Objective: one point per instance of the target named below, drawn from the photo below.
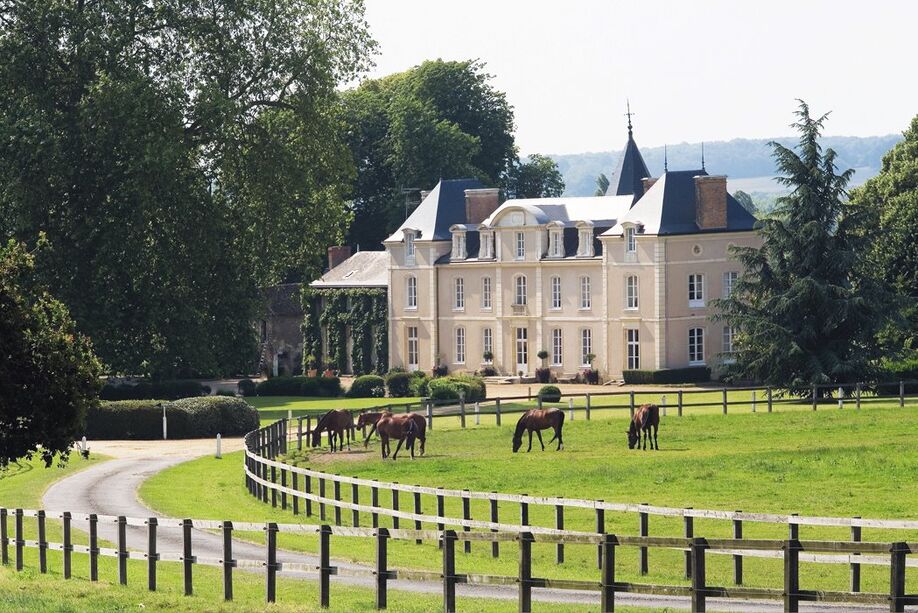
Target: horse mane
(323, 421)
(520, 425)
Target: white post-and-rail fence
(792, 551)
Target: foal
(401, 427)
(536, 420)
(646, 416)
(371, 419)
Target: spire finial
(628, 115)
(702, 155)
(665, 161)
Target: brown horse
(370, 419)
(646, 416)
(402, 427)
(536, 420)
(335, 422)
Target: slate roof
(443, 207)
(363, 269)
(669, 208)
(626, 178)
(601, 210)
(570, 236)
(284, 299)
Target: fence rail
(792, 551)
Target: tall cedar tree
(804, 310)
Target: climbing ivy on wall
(363, 311)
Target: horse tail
(557, 417)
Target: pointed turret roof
(626, 178)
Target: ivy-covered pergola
(362, 312)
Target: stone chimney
(480, 203)
(711, 201)
(648, 183)
(337, 254)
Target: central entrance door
(522, 350)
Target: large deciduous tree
(178, 154)
(805, 310)
(49, 376)
(537, 177)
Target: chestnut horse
(335, 422)
(402, 427)
(646, 416)
(536, 420)
(370, 419)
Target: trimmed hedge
(367, 386)
(691, 374)
(161, 390)
(448, 388)
(328, 387)
(419, 385)
(550, 393)
(246, 387)
(186, 418)
(398, 382)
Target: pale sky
(694, 70)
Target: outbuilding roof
(363, 269)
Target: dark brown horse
(536, 420)
(336, 423)
(646, 416)
(370, 419)
(402, 427)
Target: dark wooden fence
(696, 548)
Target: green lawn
(272, 408)
(825, 463)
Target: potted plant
(591, 374)
(311, 366)
(543, 374)
(488, 357)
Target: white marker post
(164, 421)
(219, 455)
(841, 397)
(84, 447)
(570, 408)
(663, 404)
(753, 401)
(289, 414)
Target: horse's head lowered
(634, 436)
(517, 442)
(367, 419)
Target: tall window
(486, 292)
(630, 242)
(556, 292)
(586, 346)
(631, 292)
(696, 290)
(520, 246)
(411, 301)
(409, 245)
(729, 281)
(522, 348)
(586, 298)
(696, 346)
(460, 294)
(460, 345)
(520, 290)
(487, 343)
(557, 347)
(729, 331)
(487, 246)
(634, 349)
(413, 347)
(458, 246)
(556, 243)
(585, 243)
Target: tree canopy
(805, 310)
(179, 155)
(537, 177)
(49, 376)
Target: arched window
(411, 300)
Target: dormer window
(487, 245)
(630, 242)
(555, 240)
(410, 236)
(459, 251)
(585, 239)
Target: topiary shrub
(328, 387)
(160, 390)
(472, 388)
(441, 389)
(186, 418)
(367, 386)
(419, 384)
(488, 371)
(476, 389)
(213, 415)
(399, 384)
(246, 387)
(550, 393)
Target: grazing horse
(402, 427)
(335, 422)
(646, 416)
(536, 420)
(370, 419)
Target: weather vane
(628, 115)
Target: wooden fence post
(679, 408)
(283, 473)
(497, 410)
(607, 556)
(600, 529)
(440, 513)
(525, 575)
(631, 403)
(324, 564)
(336, 487)
(813, 393)
(901, 393)
(768, 393)
(559, 524)
(122, 550)
(395, 505)
(643, 525)
(462, 409)
(273, 483)
(793, 529)
(477, 413)
(448, 544)
(68, 543)
(897, 576)
(417, 511)
(299, 433)
(524, 512)
(322, 497)
(689, 532)
(93, 547)
(271, 562)
(539, 401)
(42, 542)
(382, 571)
(187, 556)
(4, 538)
(857, 393)
(296, 488)
(791, 575)
(374, 502)
(355, 514)
(495, 546)
(588, 407)
(856, 568)
(18, 536)
(228, 562)
(152, 556)
(738, 559)
(698, 575)
(467, 515)
(307, 485)
(724, 393)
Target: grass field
(826, 463)
(272, 408)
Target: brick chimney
(648, 183)
(480, 203)
(711, 201)
(338, 254)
